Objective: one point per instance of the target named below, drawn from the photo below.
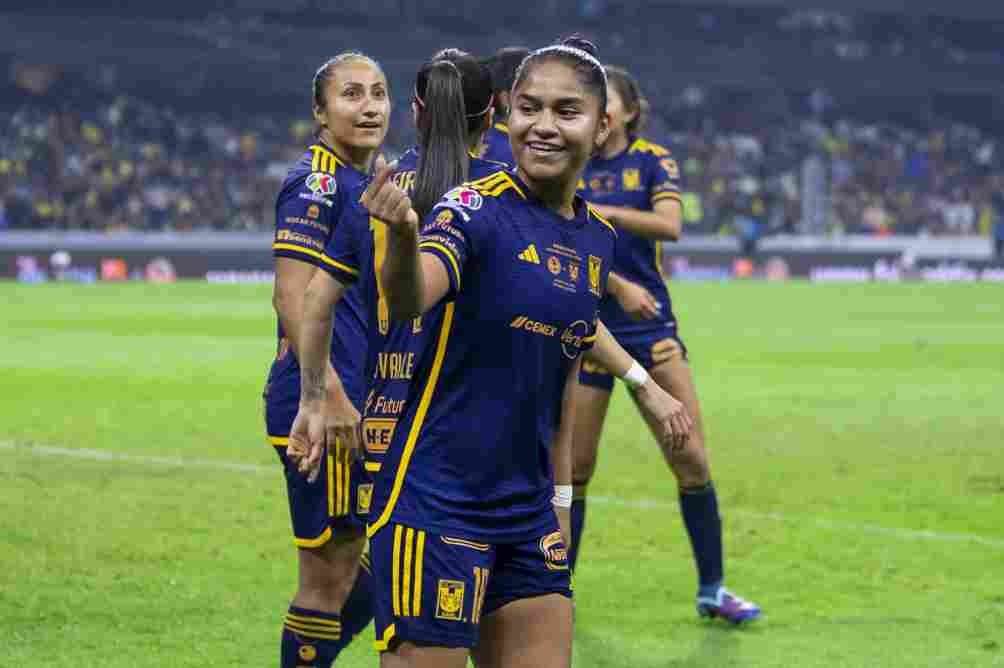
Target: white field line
(638, 504)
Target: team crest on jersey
(466, 197)
(450, 600)
(364, 497)
(555, 554)
(595, 267)
(308, 652)
(554, 265)
(631, 178)
(321, 184)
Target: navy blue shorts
(433, 590)
(338, 501)
(649, 348)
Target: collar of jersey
(578, 204)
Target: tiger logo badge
(450, 600)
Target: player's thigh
(528, 605)
(333, 566)
(592, 400)
(527, 632)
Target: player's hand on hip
(386, 201)
(342, 425)
(638, 302)
(308, 439)
(670, 417)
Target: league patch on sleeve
(322, 184)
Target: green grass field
(857, 445)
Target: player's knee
(691, 465)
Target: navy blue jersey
(495, 145)
(356, 252)
(645, 173)
(469, 456)
(312, 200)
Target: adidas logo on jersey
(530, 255)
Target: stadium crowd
(755, 162)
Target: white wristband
(636, 376)
(562, 496)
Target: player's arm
(561, 453)
(413, 281)
(326, 413)
(291, 280)
(674, 421)
(663, 223)
(636, 301)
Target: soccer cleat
(728, 606)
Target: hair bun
(582, 44)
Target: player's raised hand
(308, 439)
(386, 201)
(668, 416)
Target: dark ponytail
(453, 93)
(442, 137)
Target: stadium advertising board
(222, 266)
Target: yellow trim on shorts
(383, 643)
(314, 542)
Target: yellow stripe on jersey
(589, 339)
(314, 542)
(489, 181)
(279, 441)
(416, 426)
(449, 254)
(502, 127)
(595, 214)
(324, 160)
(658, 258)
(643, 146)
(320, 256)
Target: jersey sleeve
(664, 178)
(454, 231)
(305, 215)
(343, 255)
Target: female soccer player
(503, 66)
(635, 184)
(465, 543)
(350, 105)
